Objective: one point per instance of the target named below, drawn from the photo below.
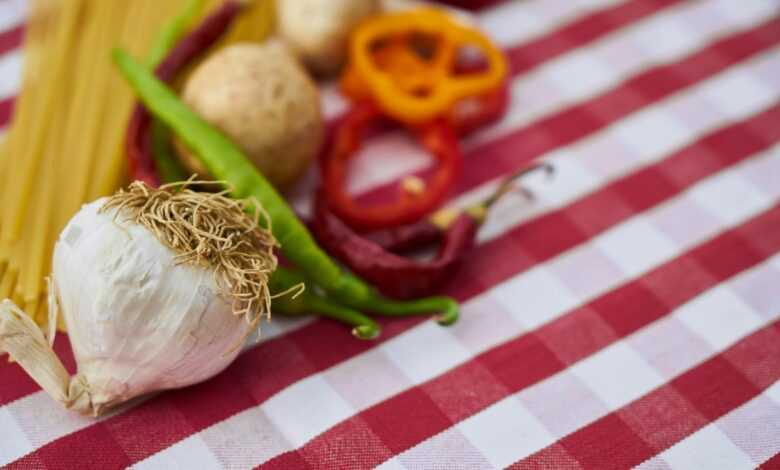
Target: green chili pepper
(226, 162)
(169, 169)
(310, 302)
(167, 165)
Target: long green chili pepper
(167, 166)
(309, 302)
(172, 32)
(225, 161)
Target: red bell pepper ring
(437, 137)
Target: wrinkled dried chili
(397, 276)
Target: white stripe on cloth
(12, 14)
(573, 181)
(742, 439)
(11, 73)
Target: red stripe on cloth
(771, 464)
(571, 124)
(632, 434)
(6, 111)
(278, 363)
(537, 355)
(11, 39)
(111, 455)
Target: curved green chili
(225, 161)
(309, 302)
(167, 165)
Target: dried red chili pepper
(138, 143)
(401, 277)
(431, 230)
(438, 137)
(406, 238)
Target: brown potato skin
(261, 97)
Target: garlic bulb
(141, 316)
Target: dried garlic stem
(21, 338)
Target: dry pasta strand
(64, 43)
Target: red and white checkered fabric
(629, 317)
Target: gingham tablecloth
(627, 317)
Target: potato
(318, 30)
(261, 97)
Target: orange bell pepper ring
(406, 63)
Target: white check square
(43, 419)
(719, 317)
(506, 432)
(392, 464)
(773, 392)
(191, 453)
(617, 375)
(252, 432)
(579, 75)
(729, 197)
(758, 288)
(667, 38)
(737, 93)
(425, 352)
(652, 132)
(572, 404)
(449, 449)
(534, 297)
(306, 409)
(572, 179)
(508, 23)
(14, 441)
(708, 448)
(636, 246)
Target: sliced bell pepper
(407, 63)
(437, 137)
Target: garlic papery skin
(137, 320)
